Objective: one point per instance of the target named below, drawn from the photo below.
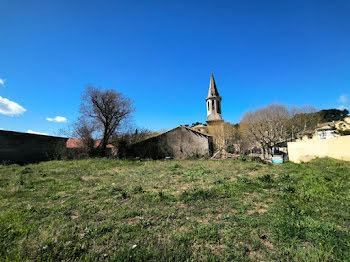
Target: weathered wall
(215, 127)
(336, 147)
(179, 142)
(21, 148)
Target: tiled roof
(78, 143)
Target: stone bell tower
(213, 104)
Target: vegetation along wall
(22, 148)
(336, 147)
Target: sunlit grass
(199, 210)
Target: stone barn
(179, 142)
(23, 148)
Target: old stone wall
(22, 148)
(179, 142)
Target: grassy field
(189, 210)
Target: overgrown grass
(190, 210)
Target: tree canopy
(275, 123)
(330, 115)
(103, 112)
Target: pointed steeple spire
(213, 102)
(213, 91)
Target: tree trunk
(263, 152)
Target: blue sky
(161, 54)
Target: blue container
(277, 159)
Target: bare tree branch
(105, 111)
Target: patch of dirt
(182, 229)
(256, 255)
(74, 215)
(233, 179)
(203, 220)
(12, 190)
(88, 178)
(259, 207)
(63, 194)
(181, 188)
(262, 210)
(251, 211)
(254, 173)
(185, 207)
(250, 197)
(270, 190)
(132, 220)
(115, 170)
(218, 216)
(57, 170)
(216, 249)
(269, 245)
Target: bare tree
(276, 123)
(302, 119)
(85, 130)
(267, 126)
(243, 144)
(224, 137)
(102, 112)
(221, 136)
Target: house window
(322, 134)
(208, 105)
(212, 105)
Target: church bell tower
(213, 104)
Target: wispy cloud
(58, 119)
(2, 82)
(10, 108)
(36, 133)
(344, 102)
(343, 99)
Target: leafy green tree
(330, 115)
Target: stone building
(179, 142)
